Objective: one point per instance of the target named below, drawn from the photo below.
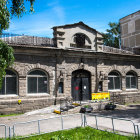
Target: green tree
(8, 9)
(112, 37)
(6, 59)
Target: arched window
(37, 82)
(114, 82)
(131, 80)
(9, 85)
(80, 40)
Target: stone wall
(130, 32)
(64, 36)
(58, 65)
(12, 106)
(126, 98)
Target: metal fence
(3, 129)
(63, 122)
(46, 125)
(113, 124)
(17, 39)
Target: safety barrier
(113, 124)
(63, 122)
(3, 129)
(17, 39)
(47, 125)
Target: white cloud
(52, 3)
(36, 28)
(99, 26)
(39, 23)
(59, 12)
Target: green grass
(86, 133)
(10, 115)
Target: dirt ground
(131, 112)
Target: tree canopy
(9, 8)
(6, 59)
(112, 37)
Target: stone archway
(81, 85)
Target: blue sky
(49, 13)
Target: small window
(60, 88)
(125, 29)
(61, 43)
(131, 80)
(137, 25)
(100, 87)
(9, 84)
(114, 81)
(37, 82)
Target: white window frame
(37, 76)
(130, 76)
(6, 76)
(114, 89)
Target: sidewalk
(130, 112)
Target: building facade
(73, 64)
(130, 32)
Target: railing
(116, 50)
(3, 128)
(37, 127)
(76, 46)
(42, 126)
(113, 124)
(17, 39)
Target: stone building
(73, 64)
(130, 32)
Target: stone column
(138, 84)
(22, 86)
(68, 85)
(105, 83)
(51, 83)
(93, 83)
(123, 84)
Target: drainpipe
(96, 49)
(96, 66)
(96, 73)
(55, 87)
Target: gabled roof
(75, 24)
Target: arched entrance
(81, 85)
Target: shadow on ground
(131, 112)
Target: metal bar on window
(130, 83)
(114, 83)
(5, 85)
(37, 84)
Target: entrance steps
(75, 107)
